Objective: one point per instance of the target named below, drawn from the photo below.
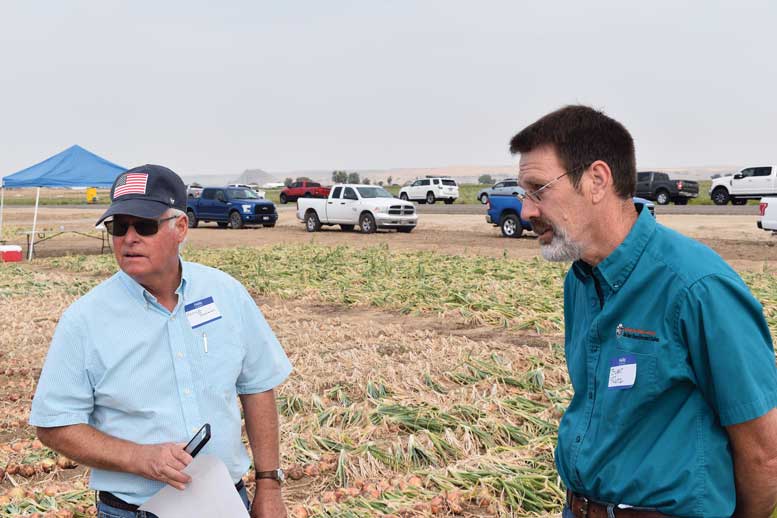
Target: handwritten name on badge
(201, 312)
(623, 372)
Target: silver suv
(508, 187)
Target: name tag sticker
(623, 372)
(202, 312)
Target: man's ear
(181, 228)
(600, 180)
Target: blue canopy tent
(74, 167)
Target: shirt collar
(617, 266)
(140, 293)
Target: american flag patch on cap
(131, 183)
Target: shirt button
(577, 439)
(172, 317)
(180, 355)
(187, 391)
(590, 395)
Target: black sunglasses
(144, 227)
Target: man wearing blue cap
(137, 365)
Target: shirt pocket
(221, 357)
(625, 407)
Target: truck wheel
(662, 196)
(405, 230)
(511, 227)
(222, 224)
(284, 200)
(738, 201)
(720, 196)
(448, 201)
(347, 228)
(681, 201)
(312, 223)
(430, 199)
(403, 196)
(367, 223)
(484, 198)
(193, 221)
(235, 220)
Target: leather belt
(114, 501)
(583, 507)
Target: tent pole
(34, 222)
(2, 206)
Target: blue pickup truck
(233, 206)
(504, 211)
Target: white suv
(431, 189)
(260, 192)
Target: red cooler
(10, 253)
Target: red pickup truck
(303, 189)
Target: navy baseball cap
(146, 192)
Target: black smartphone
(199, 440)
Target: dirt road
(735, 237)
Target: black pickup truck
(662, 189)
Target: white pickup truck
(749, 183)
(768, 208)
(368, 206)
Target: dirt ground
(735, 237)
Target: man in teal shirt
(670, 358)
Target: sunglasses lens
(146, 227)
(116, 228)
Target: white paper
(210, 493)
(623, 376)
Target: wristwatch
(275, 474)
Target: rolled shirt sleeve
(265, 364)
(64, 395)
(730, 348)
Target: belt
(114, 501)
(583, 507)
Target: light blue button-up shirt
(122, 363)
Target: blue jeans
(106, 511)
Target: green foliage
(486, 179)
(339, 176)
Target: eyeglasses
(144, 227)
(535, 194)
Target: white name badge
(202, 312)
(623, 372)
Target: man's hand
(163, 462)
(268, 501)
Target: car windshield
(242, 194)
(374, 192)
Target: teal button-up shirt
(665, 347)
(122, 363)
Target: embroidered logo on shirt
(639, 334)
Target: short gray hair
(176, 214)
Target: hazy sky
(218, 87)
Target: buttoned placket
(597, 291)
(178, 330)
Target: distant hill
(257, 176)
(462, 174)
